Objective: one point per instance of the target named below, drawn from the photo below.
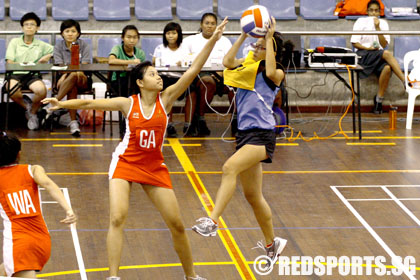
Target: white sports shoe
(74, 128)
(113, 278)
(33, 122)
(273, 251)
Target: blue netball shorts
(259, 137)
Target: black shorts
(259, 137)
(25, 79)
(372, 62)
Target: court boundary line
(372, 232)
(75, 237)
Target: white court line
(380, 199)
(74, 235)
(378, 239)
(378, 186)
(76, 241)
(403, 207)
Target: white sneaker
(205, 227)
(33, 122)
(74, 128)
(113, 278)
(273, 251)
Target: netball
(254, 21)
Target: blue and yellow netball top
(255, 95)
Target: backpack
(354, 8)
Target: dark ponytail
(138, 74)
(9, 148)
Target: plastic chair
(281, 9)
(79, 10)
(153, 9)
(193, 9)
(318, 9)
(111, 9)
(412, 92)
(20, 7)
(404, 44)
(1, 9)
(105, 46)
(148, 45)
(232, 8)
(400, 3)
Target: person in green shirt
(126, 53)
(27, 49)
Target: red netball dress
(26, 241)
(138, 158)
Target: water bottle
(158, 59)
(74, 49)
(393, 118)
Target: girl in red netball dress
(138, 158)
(26, 241)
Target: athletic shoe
(113, 278)
(33, 122)
(190, 130)
(74, 128)
(171, 131)
(206, 227)
(202, 128)
(195, 278)
(274, 250)
(377, 107)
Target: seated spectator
(69, 83)
(370, 48)
(126, 54)
(29, 50)
(171, 53)
(209, 83)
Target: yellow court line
(265, 172)
(363, 131)
(185, 145)
(66, 133)
(225, 235)
(371, 144)
(377, 137)
(77, 145)
(287, 144)
(67, 139)
(68, 272)
(51, 274)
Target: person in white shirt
(172, 53)
(209, 83)
(374, 58)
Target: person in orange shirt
(26, 241)
(138, 158)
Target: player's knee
(177, 227)
(229, 168)
(117, 220)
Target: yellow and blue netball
(254, 21)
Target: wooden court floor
(333, 197)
